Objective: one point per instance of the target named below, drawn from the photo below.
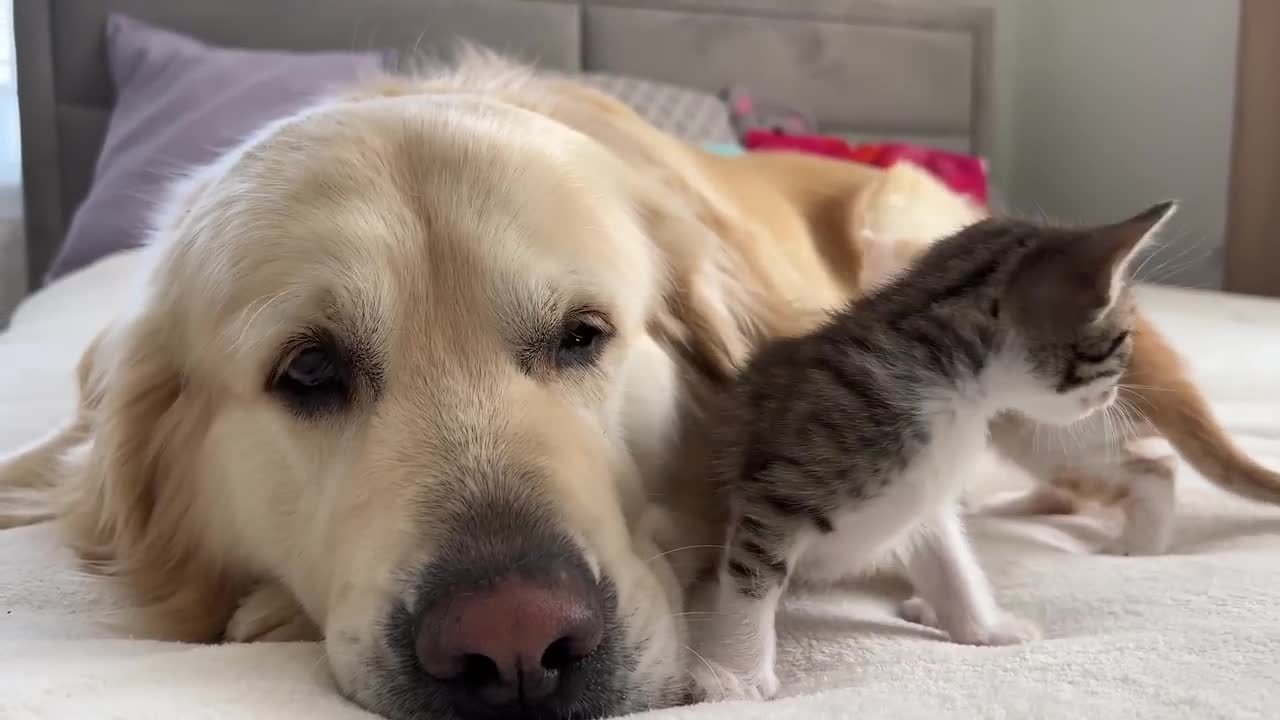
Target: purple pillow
(179, 103)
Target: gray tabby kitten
(850, 446)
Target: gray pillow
(693, 115)
(179, 103)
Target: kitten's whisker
(1129, 403)
(682, 549)
(698, 613)
(710, 667)
(1134, 409)
(1122, 427)
(1044, 216)
(1158, 250)
(1131, 386)
(1188, 256)
(1137, 272)
(1159, 253)
(1134, 415)
(1071, 437)
(1106, 425)
(1123, 430)
(1124, 418)
(1063, 437)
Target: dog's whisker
(244, 329)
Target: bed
(1190, 635)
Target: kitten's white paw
(732, 652)
(270, 614)
(714, 682)
(1008, 630)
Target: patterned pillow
(690, 114)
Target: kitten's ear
(1120, 242)
(1101, 264)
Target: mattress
(1194, 634)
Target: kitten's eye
(580, 342)
(314, 378)
(1117, 342)
(994, 310)
(1107, 352)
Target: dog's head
(396, 355)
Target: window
(10, 138)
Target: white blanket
(1195, 634)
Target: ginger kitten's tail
(1175, 406)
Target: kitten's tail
(1179, 411)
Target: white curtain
(10, 145)
(13, 279)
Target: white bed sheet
(1195, 634)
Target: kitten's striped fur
(849, 446)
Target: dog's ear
(719, 300)
(709, 314)
(131, 511)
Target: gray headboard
(866, 68)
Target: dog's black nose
(514, 646)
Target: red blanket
(964, 174)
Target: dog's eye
(311, 367)
(314, 378)
(581, 340)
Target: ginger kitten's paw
(916, 610)
(1139, 541)
(1042, 500)
(270, 614)
(1149, 510)
(1006, 630)
(713, 682)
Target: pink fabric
(963, 174)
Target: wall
(1105, 106)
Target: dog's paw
(270, 614)
(713, 682)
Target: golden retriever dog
(411, 372)
(422, 371)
